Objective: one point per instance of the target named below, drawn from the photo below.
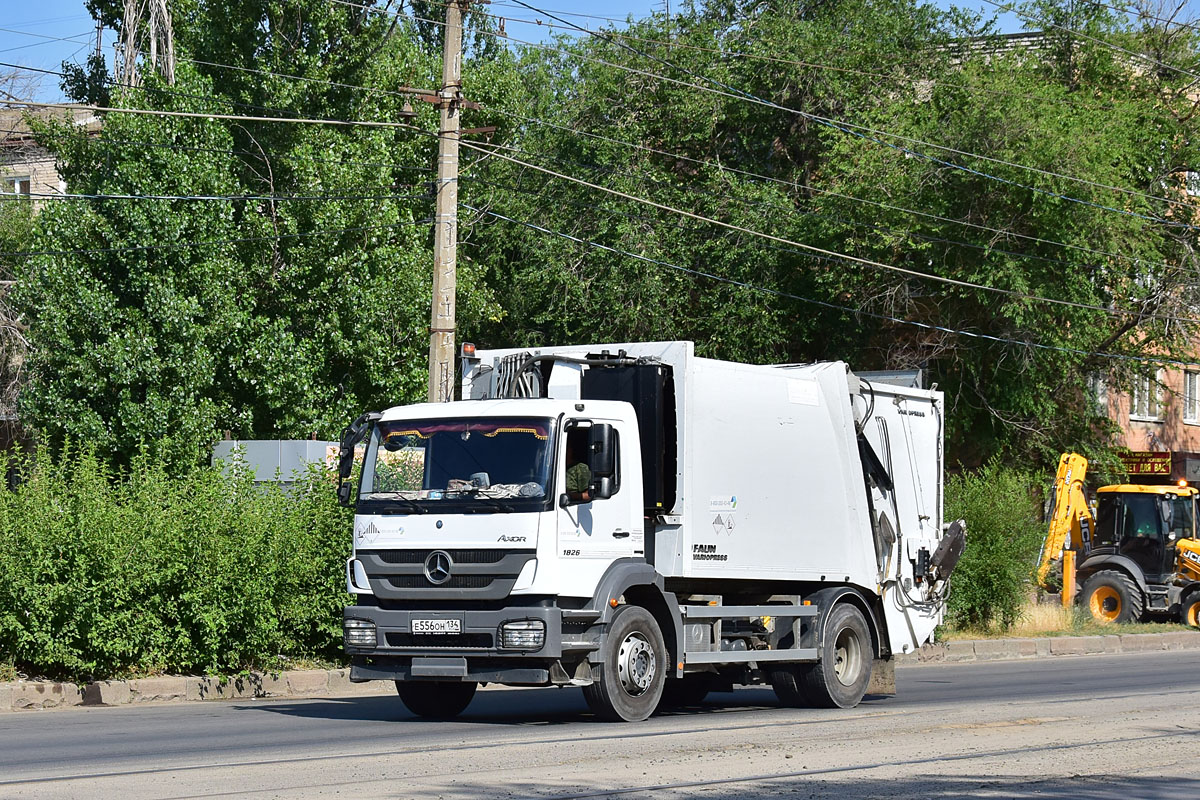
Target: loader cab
(1143, 523)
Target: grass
(8, 672)
(1051, 619)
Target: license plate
(437, 626)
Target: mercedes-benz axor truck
(647, 525)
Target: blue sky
(21, 23)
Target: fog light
(524, 634)
(358, 633)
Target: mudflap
(883, 678)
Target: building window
(16, 184)
(1146, 403)
(1098, 393)
(1191, 396)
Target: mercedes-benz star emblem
(437, 566)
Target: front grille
(455, 582)
(448, 641)
(457, 556)
(487, 574)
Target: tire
(1189, 609)
(436, 699)
(1112, 596)
(788, 681)
(633, 668)
(690, 690)
(840, 678)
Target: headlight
(524, 634)
(358, 633)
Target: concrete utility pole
(445, 236)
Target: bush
(107, 575)
(1004, 534)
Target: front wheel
(436, 699)
(1189, 612)
(840, 678)
(633, 668)
(1112, 596)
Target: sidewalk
(29, 695)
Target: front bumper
(473, 654)
(479, 632)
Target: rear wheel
(436, 699)
(1189, 611)
(1112, 596)
(633, 668)
(690, 690)
(840, 678)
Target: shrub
(106, 574)
(991, 582)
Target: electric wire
(209, 242)
(108, 142)
(402, 125)
(808, 187)
(835, 306)
(207, 197)
(862, 132)
(785, 241)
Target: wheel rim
(636, 664)
(1193, 614)
(1105, 604)
(847, 656)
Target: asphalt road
(1117, 726)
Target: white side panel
(773, 486)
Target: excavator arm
(1071, 520)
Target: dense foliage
(992, 581)
(888, 132)
(110, 574)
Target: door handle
(620, 534)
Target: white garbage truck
(647, 525)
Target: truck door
(589, 527)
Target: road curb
(41, 695)
(962, 651)
(38, 695)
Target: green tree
(282, 311)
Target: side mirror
(602, 488)
(352, 435)
(601, 452)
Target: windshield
(477, 465)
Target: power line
(207, 243)
(849, 260)
(798, 185)
(834, 306)
(855, 129)
(212, 116)
(108, 142)
(782, 240)
(249, 197)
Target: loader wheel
(1189, 611)
(1112, 596)
(840, 678)
(436, 699)
(633, 668)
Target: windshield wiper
(402, 502)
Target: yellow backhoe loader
(1138, 555)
